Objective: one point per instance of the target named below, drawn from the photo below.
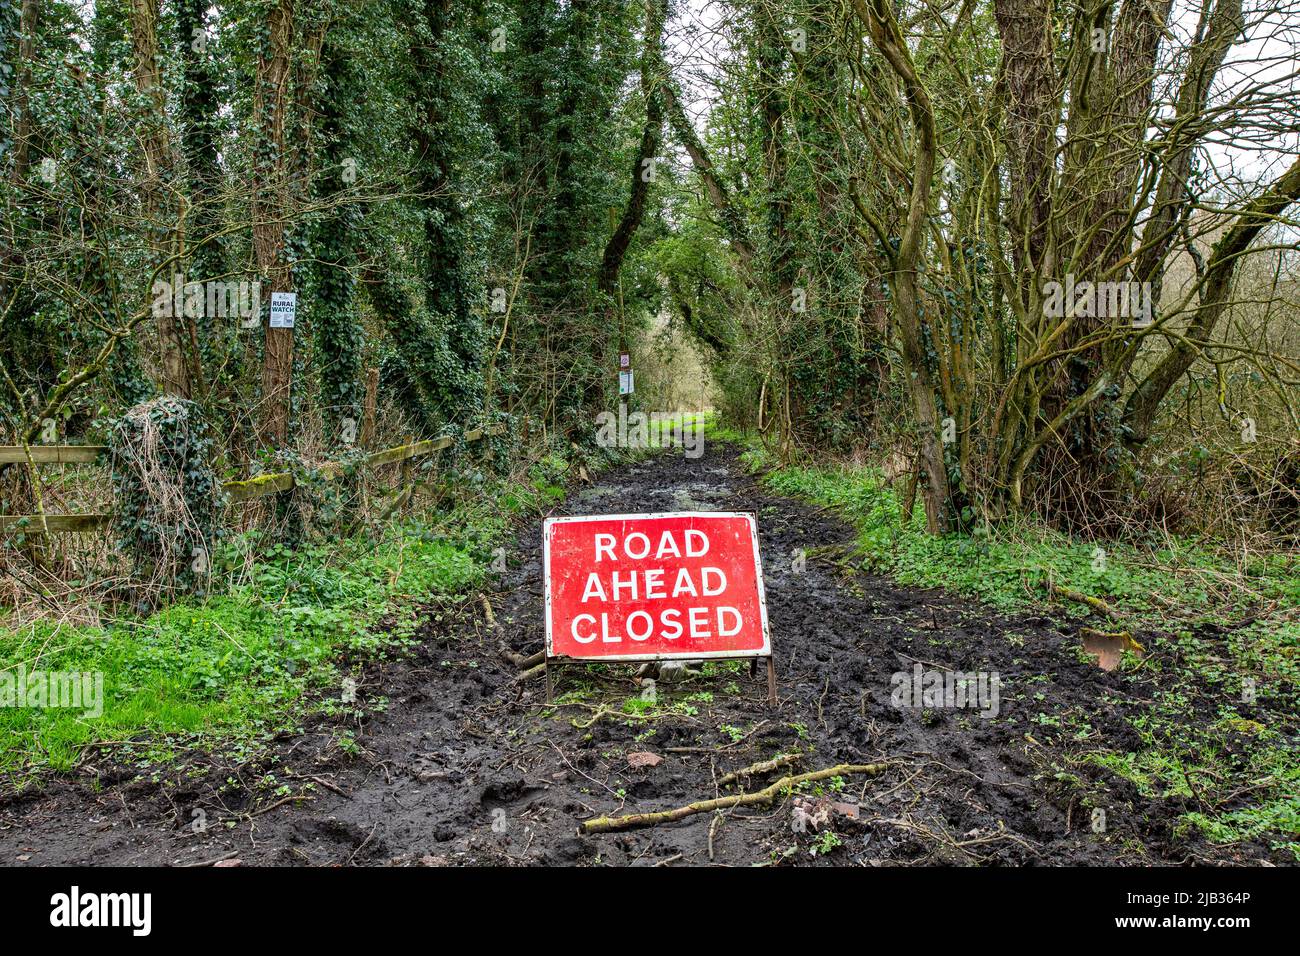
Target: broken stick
(766, 766)
(531, 672)
(522, 662)
(758, 798)
(1096, 603)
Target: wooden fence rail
(237, 491)
(52, 454)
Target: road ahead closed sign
(648, 587)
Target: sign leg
(771, 681)
(550, 690)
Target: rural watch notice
(284, 306)
(649, 587)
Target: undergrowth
(1223, 629)
(273, 643)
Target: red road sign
(651, 587)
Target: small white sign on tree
(284, 306)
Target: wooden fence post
(368, 410)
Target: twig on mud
(279, 803)
(881, 797)
(671, 859)
(329, 786)
(710, 750)
(917, 660)
(570, 765)
(600, 712)
(758, 798)
(1002, 834)
(362, 845)
(126, 810)
(718, 818)
(984, 780)
(763, 766)
(1192, 787)
(530, 673)
(522, 662)
(941, 837)
(211, 862)
(381, 764)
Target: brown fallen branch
(292, 798)
(1078, 597)
(718, 820)
(212, 862)
(600, 712)
(530, 672)
(764, 766)
(522, 662)
(758, 798)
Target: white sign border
(764, 651)
(285, 322)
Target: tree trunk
(158, 165)
(28, 19)
(642, 168)
(878, 17)
(200, 135)
(1028, 79)
(270, 205)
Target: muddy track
(464, 766)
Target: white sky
(1269, 55)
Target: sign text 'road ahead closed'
(636, 587)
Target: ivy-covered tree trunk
(158, 178)
(336, 324)
(445, 113)
(16, 81)
(270, 208)
(434, 366)
(201, 124)
(878, 18)
(584, 48)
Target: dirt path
(463, 767)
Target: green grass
(249, 661)
(1008, 567)
(1243, 771)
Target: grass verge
(1222, 629)
(275, 643)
